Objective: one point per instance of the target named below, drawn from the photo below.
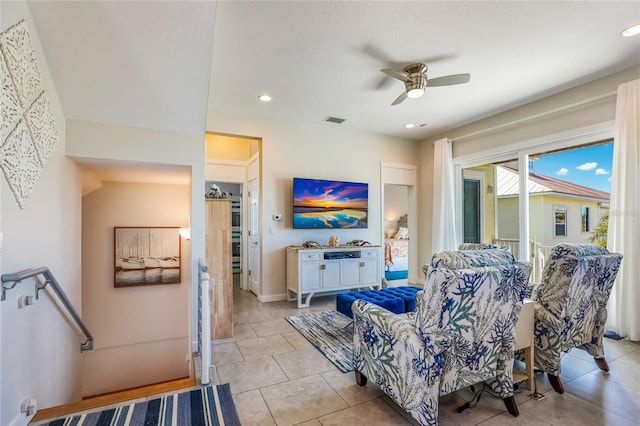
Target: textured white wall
(596, 102)
(40, 350)
(141, 333)
(396, 204)
(120, 143)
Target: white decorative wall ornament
(28, 128)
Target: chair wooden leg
(512, 406)
(361, 379)
(602, 364)
(555, 383)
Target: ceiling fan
(416, 81)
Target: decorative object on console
(27, 126)
(358, 243)
(215, 192)
(310, 244)
(334, 241)
(322, 204)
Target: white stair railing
(204, 322)
(9, 281)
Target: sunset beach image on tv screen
(327, 204)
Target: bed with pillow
(396, 257)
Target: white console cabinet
(317, 270)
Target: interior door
(254, 237)
(471, 211)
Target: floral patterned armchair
(457, 259)
(483, 246)
(461, 333)
(571, 305)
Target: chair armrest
(531, 287)
(400, 328)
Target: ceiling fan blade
(395, 74)
(400, 98)
(448, 80)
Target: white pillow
(403, 233)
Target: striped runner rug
(331, 333)
(210, 405)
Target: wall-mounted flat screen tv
(329, 204)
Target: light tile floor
(278, 378)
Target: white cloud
(587, 166)
(601, 172)
(562, 172)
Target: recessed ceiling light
(631, 31)
(264, 98)
(409, 126)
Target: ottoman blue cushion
(385, 300)
(406, 293)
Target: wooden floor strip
(113, 398)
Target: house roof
(508, 182)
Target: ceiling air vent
(336, 120)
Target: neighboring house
(559, 211)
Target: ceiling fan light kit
(631, 31)
(415, 80)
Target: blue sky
(590, 166)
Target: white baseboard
(272, 298)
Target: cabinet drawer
(369, 253)
(310, 256)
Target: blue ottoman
(385, 300)
(406, 293)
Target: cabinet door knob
(323, 266)
(361, 264)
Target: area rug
(210, 405)
(331, 333)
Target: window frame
(521, 149)
(556, 210)
(478, 176)
(585, 226)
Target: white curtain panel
(444, 214)
(624, 214)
